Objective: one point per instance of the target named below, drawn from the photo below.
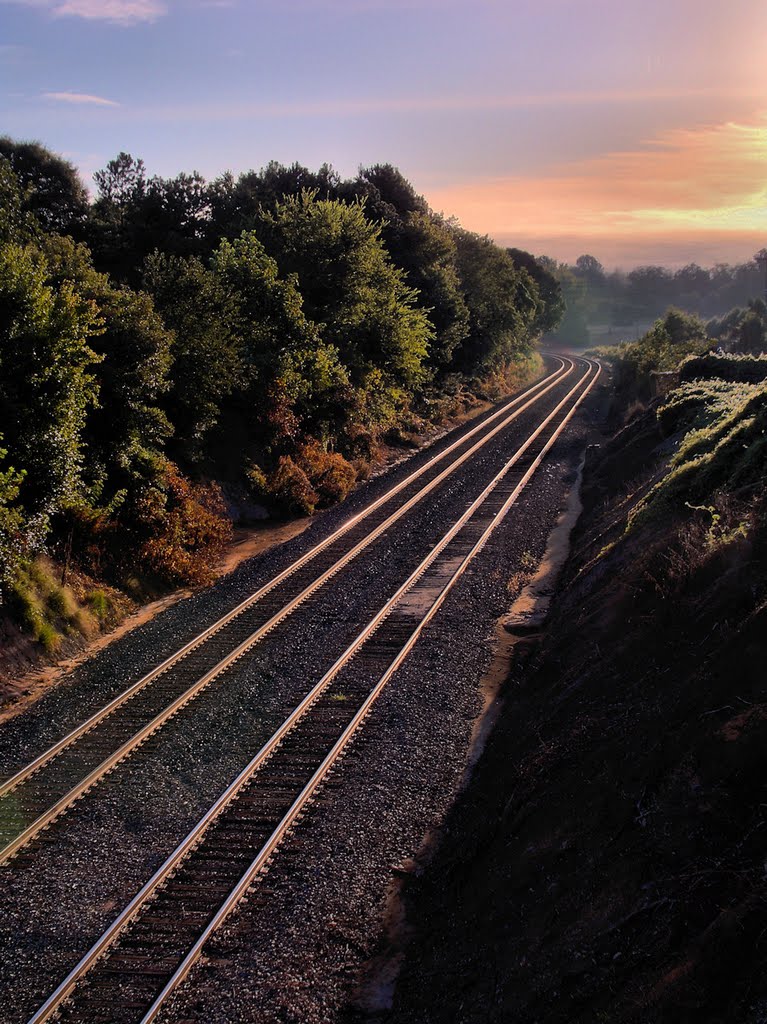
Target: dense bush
(747, 369)
(182, 528)
(329, 473)
(724, 448)
(289, 487)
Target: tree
(649, 290)
(289, 370)
(112, 228)
(502, 300)
(125, 432)
(552, 303)
(52, 188)
(208, 360)
(350, 285)
(236, 204)
(17, 224)
(12, 524)
(47, 383)
(122, 183)
(172, 216)
(388, 192)
(591, 270)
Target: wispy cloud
(80, 98)
(684, 181)
(405, 105)
(119, 12)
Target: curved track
(43, 790)
(152, 945)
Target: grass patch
(724, 452)
(48, 611)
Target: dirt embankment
(607, 860)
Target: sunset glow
(706, 183)
(638, 130)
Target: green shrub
(741, 368)
(29, 611)
(727, 453)
(257, 481)
(700, 403)
(61, 602)
(48, 637)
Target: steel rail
(18, 777)
(139, 737)
(309, 791)
(195, 837)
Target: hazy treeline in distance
(261, 332)
(612, 305)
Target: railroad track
(150, 948)
(41, 792)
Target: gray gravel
(296, 956)
(107, 847)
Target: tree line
(621, 301)
(168, 335)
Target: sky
(634, 130)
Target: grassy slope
(615, 837)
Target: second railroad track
(153, 943)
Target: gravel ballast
(415, 746)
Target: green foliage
(729, 366)
(726, 450)
(52, 191)
(699, 404)
(46, 608)
(503, 302)
(47, 383)
(423, 245)
(742, 330)
(572, 311)
(12, 525)
(100, 604)
(125, 432)
(551, 301)
(17, 224)
(670, 340)
(349, 285)
(236, 205)
(208, 361)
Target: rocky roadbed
(299, 954)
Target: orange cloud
(711, 179)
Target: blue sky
(634, 130)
